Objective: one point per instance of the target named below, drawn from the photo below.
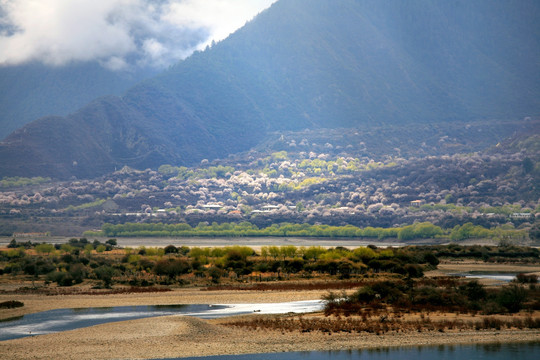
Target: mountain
(33, 90)
(303, 64)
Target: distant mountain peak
(302, 64)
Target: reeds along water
(381, 323)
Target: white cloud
(222, 17)
(114, 63)
(117, 33)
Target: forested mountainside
(31, 91)
(302, 64)
(467, 187)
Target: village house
(270, 207)
(521, 216)
(31, 235)
(212, 207)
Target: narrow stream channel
(57, 320)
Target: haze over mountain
(57, 56)
(302, 64)
(33, 90)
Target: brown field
(470, 265)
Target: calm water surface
(511, 351)
(503, 277)
(224, 241)
(52, 321)
(57, 320)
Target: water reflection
(69, 319)
(501, 276)
(14, 318)
(501, 351)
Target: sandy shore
(35, 303)
(179, 336)
(466, 266)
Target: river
(254, 242)
(57, 320)
(505, 351)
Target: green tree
(473, 290)
(171, 249)
(534, 233)
(274, 251)
(215, 274)
(287, 251)
(67, 248)
(105, 273)
(88, 248)
(528, 165)
(44, 248)
(364, 253)
(32, 270)
(112, 242)
(512, 297)
(77, 272)
(172, 267)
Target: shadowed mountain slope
(30, 91)
(303, 64)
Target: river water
(508, 351)
(254, 242)
(57, 320)
(502, 277)
(67, 319)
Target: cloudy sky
(119, 34)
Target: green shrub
(527, 279)
(11, 304)
(60, 277)
(512, 297)
(473, 290)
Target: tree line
(68, 265)
(81, 260)
(423, 230)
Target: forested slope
(303, 64)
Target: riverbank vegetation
(81, 260)
(104, 264)
(443, 295)
(394, 305)
(368, 289)
(382, 322)
(424, 230)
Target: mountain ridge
(31, 91)
(296, 66)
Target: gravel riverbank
(180, 336)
